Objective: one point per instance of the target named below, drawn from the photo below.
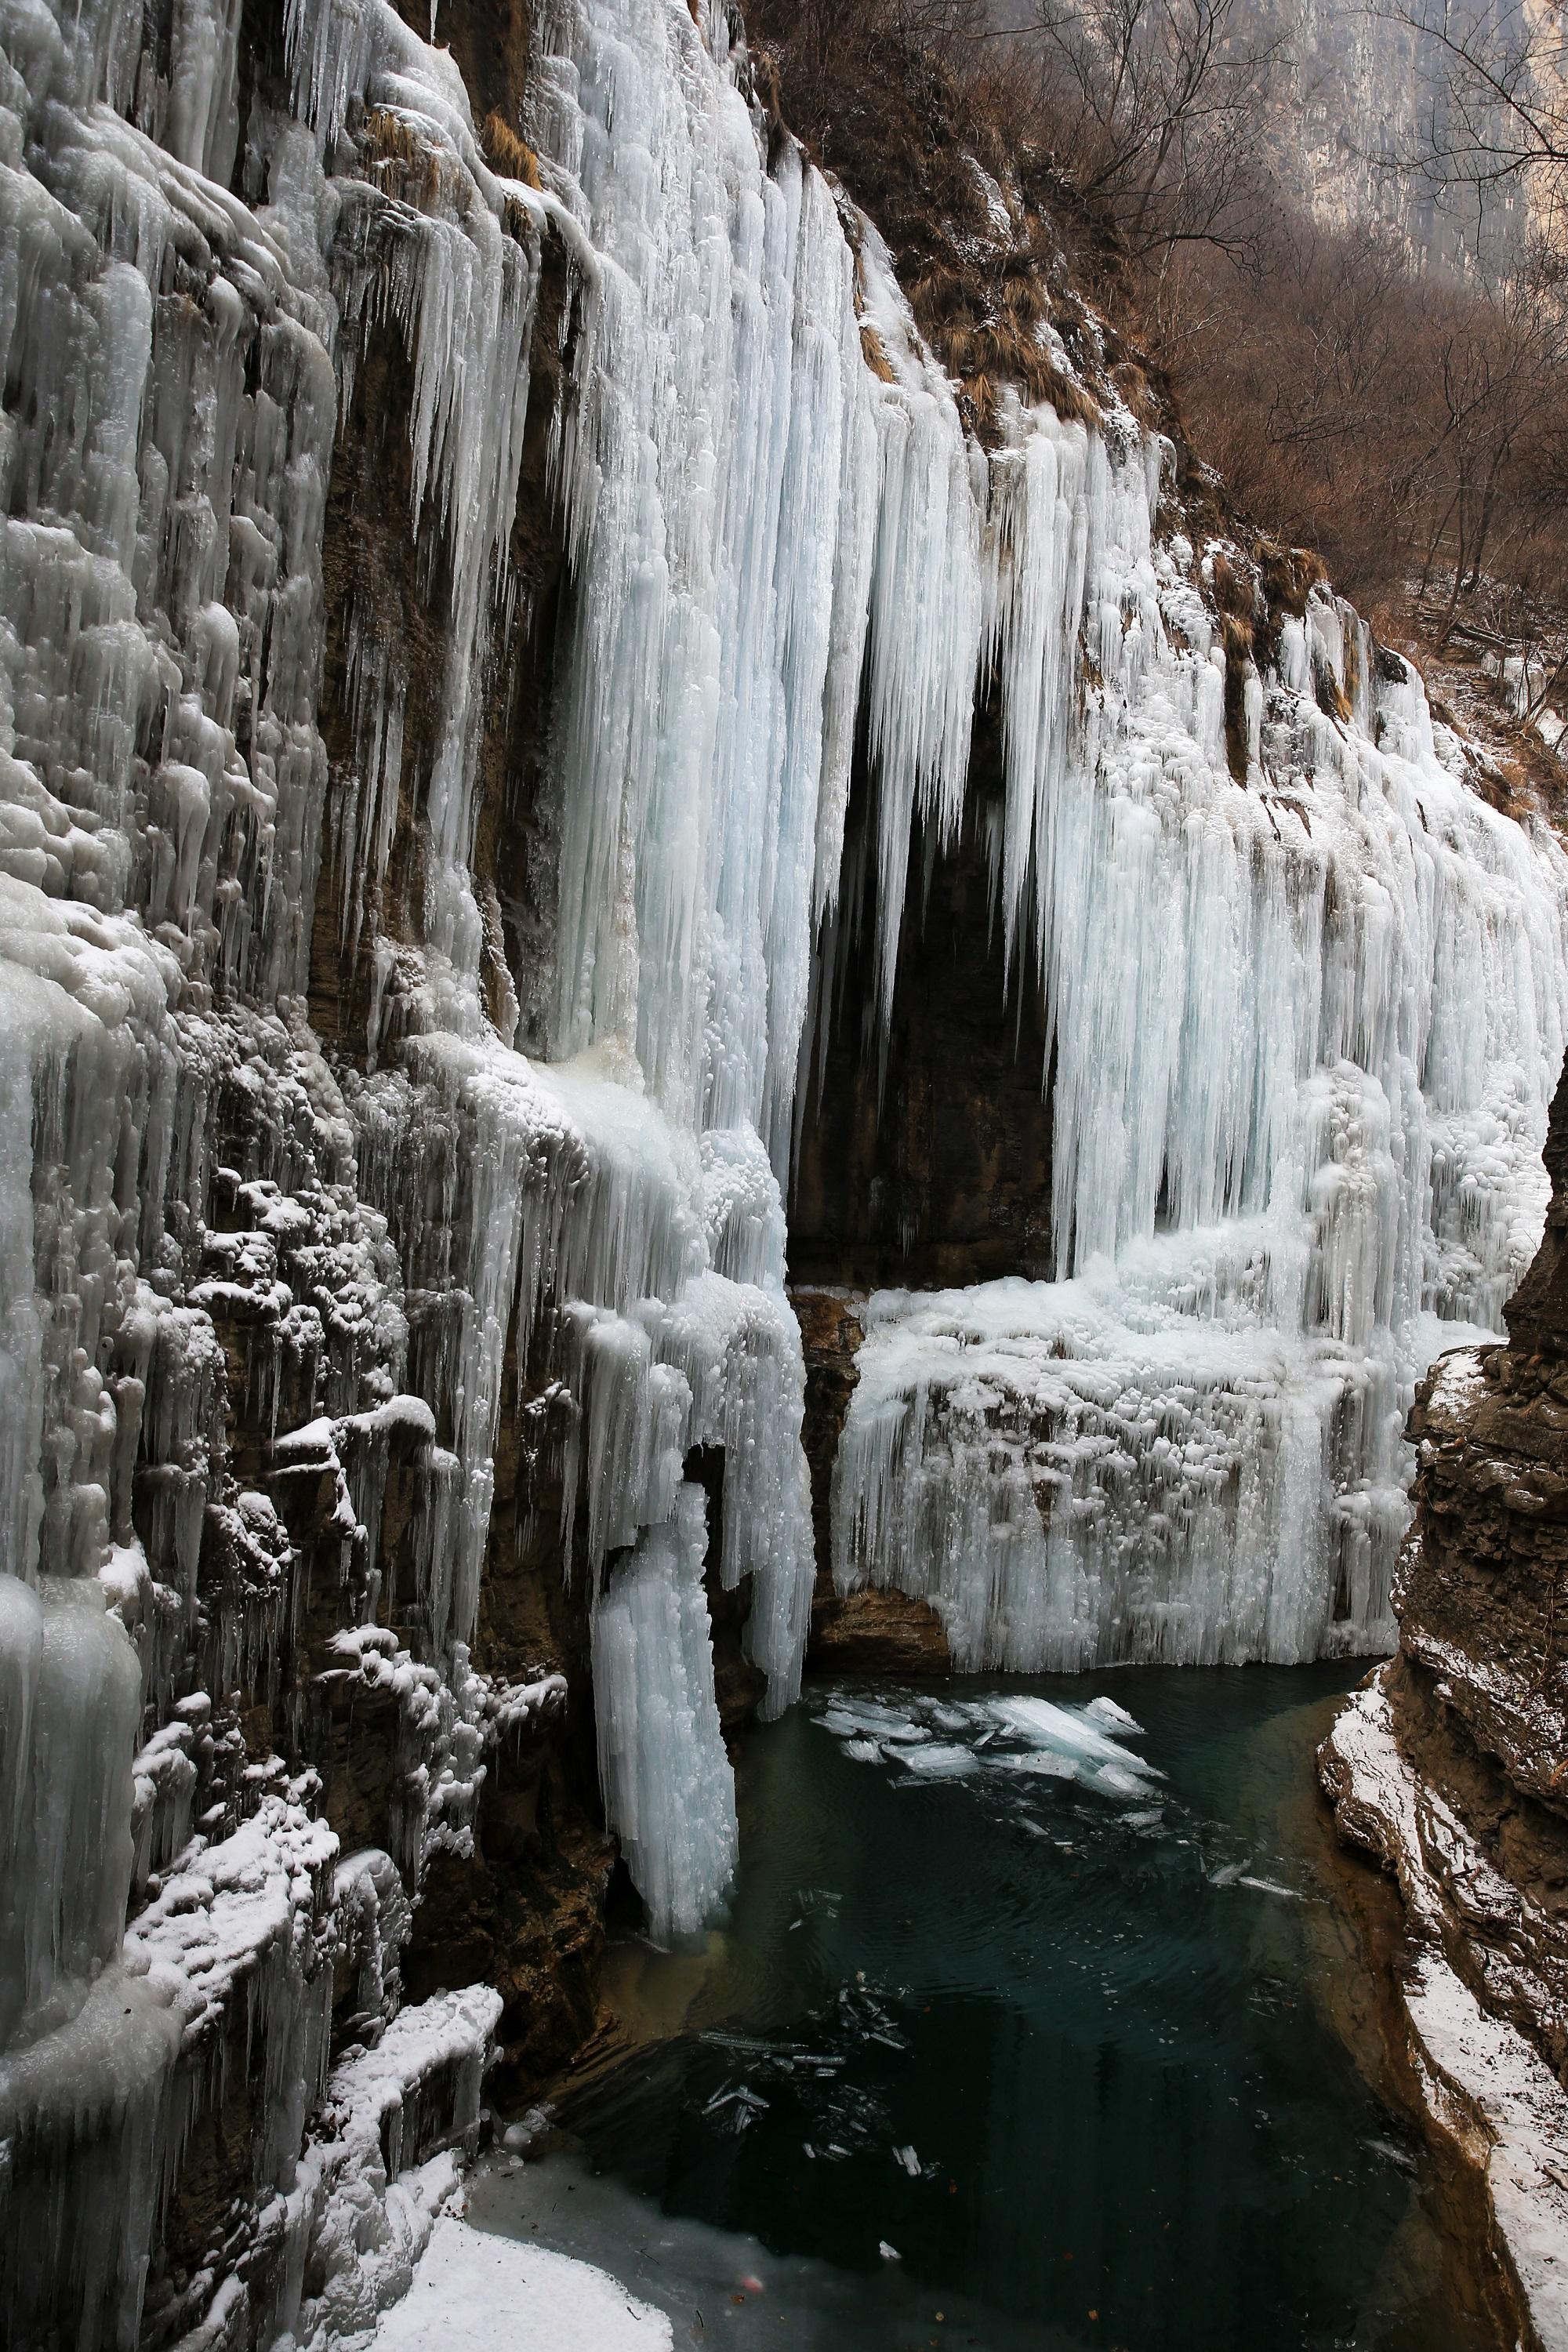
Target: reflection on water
(1015, 2037)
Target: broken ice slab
(868, 1718)
(940, 1762)
(1043, 1762)
(818, 1899)
(1069, 1731)
(1105, 1710)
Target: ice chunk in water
(941, 1761)
(1067, 1732)
(870, 1718)
(1105, 1710)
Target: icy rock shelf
(262, 1297)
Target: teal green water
(1020, 2019)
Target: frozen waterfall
(361, 1246)
(1304, 1038)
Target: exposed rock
(830, 1334)
(1451, 1767)
(1489, 2097)
(530, 1921)
(871, 1632)
(876, 1632)
(925, 1154)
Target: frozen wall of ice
(266, 1293)
(280, 1301)
(1303, 1036)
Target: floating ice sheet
(953, 1739)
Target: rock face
(875, 1630)
(925, 1151)
(1451, 1767)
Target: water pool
(1019, 2034)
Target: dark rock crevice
(925, 1156)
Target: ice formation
(196, 1212)
(1303, 1038)
(964, 1739)
(268, 1292)
(668, 1791)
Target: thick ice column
(21, 1341)
(85, 2111)
(928, 593)
(1037, 573)
(72, 1709)
(85, 2049)
(717, 383)
(670, 1792)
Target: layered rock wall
(1450, 1767)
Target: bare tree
(1155, 106)
(1495, 105)
(834, 44)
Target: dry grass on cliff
(935, 161)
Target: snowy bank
(476, 2293)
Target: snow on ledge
(1500, 2100)
(1485, 2088)
(476, 2293)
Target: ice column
(669, 1793)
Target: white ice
(1303, 1031)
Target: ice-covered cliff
(1447, 1766)
(1300, 1039)
(478, 523)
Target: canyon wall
(520, 666)
(1449, 1765)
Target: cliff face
(1451, 1767)
(327, 508)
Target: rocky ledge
(1451, 1768)
(872, 1630)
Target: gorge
(523, 664)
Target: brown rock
(1477, 1700)
(876, 1632)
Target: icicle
(1305, 1035)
